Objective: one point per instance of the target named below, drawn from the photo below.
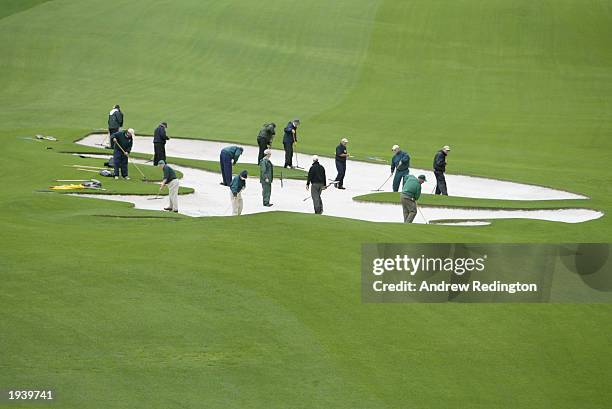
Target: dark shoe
(168, 208)
(222, 184)
(341, 187)
(268, 205)
(175, 211)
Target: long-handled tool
(421, 213)
(331, 183)
(126, 154)
(157, 195)
(297, 161)
(77, 180)
(85, 167)
(376, 158)
(30, 139)
(281, 178)
(384, 183)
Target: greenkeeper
(400, 164)
(266, 175)
(411, 192)
(172, 182)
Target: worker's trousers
(288, 154)
(398, 179)
(159, 150)
(236, 203)
(410, 208)
(121, 163)
(315, 193)
(440, 183)
(225, 160)
(266, 191)
(173, 189)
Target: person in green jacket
(266, 175)
(237, 185)
(411, 192)
(172, 182)
(400, 164)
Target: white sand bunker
(212, 199)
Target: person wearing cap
(341, 155)
(400, 164)
(316, 177)
(439, 165)
(411, 192)
(228, 157)
(115, 121)
(266, 175)
(237, 185)
(159, 143)
(172, 182)
(289, 139)
(264, 139)
(122, 142)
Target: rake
(85, 167)
(332, 183)
(384, 183)
(126, 154)
(421, 213)
(156, 196)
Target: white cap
(344, 140)
(268, 152)
(315, 158)
(395, 147)
(446, 148)
(131, 132)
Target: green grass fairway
(115, 307)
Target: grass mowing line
(472, 203)
(138, 217)
(182, 191)
(454, 221)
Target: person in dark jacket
(341, 156)
(115, 121)
(400, 164)
(439, 165)
(172, 182)
(264, 139)
(237, 185)
(266, 176)
(228, 157)
(159, 143)
(290, 139)
(411, 192)
(122, 142)
(316, 177)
